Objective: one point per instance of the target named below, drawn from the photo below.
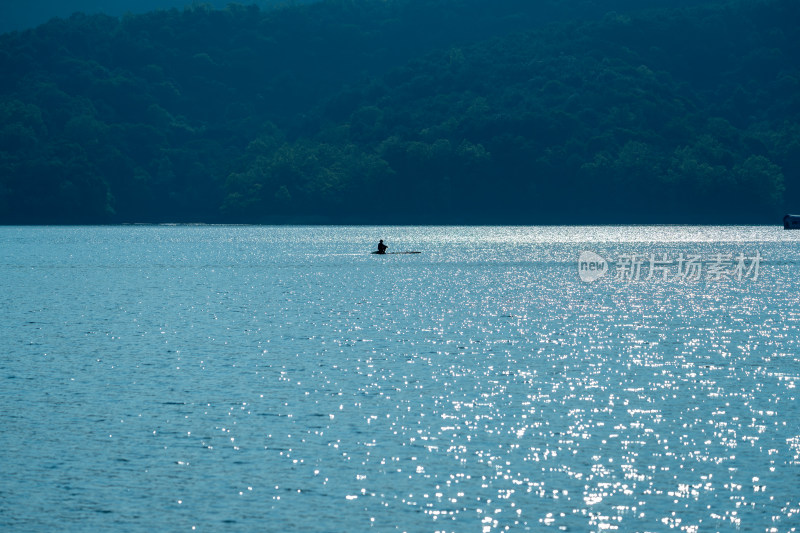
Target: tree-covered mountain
(462, 111)
(23, 14)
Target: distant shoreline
(301, 222)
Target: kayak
(395, 253)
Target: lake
(247, 378)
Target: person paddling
(382, 247)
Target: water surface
(236, 378)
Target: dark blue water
(280, 379)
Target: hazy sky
(22, 14)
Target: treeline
(15, 16)
(463, 111)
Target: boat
(791, 222)
(394, 253)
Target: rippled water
(283, 379)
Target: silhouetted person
(382, 247)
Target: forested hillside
(23, 14)
(405, 111)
